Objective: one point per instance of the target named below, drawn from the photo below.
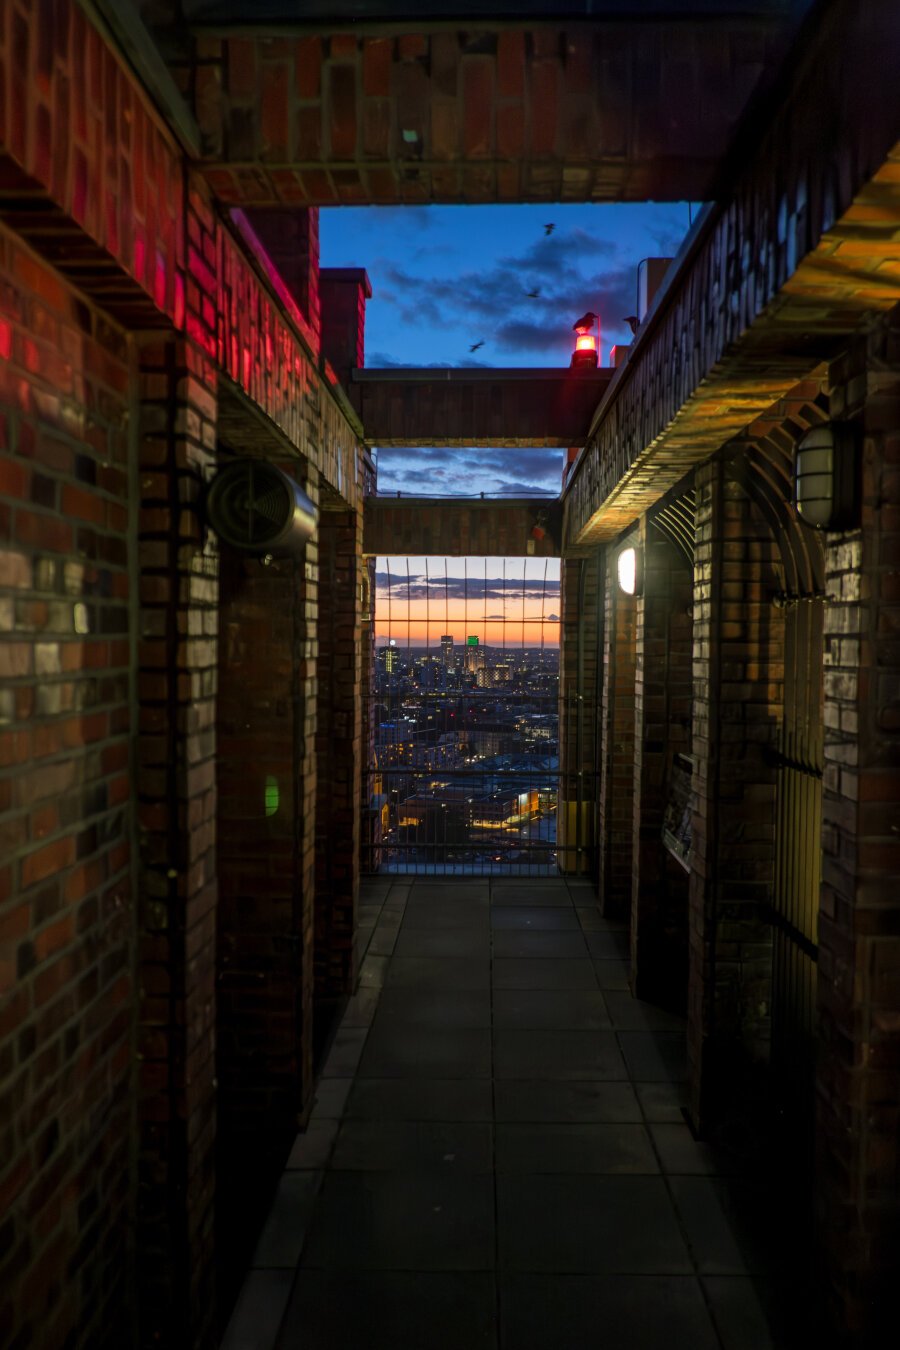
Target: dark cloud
(493, 304)
(437, 587)
(467, 471)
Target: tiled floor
(497, 1156)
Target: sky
(447, 277)
(443, 279)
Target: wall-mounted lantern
(825, 474)
(587, 346)
(629, 571)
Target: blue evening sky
(447, 277)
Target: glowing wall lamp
(586, 351)
(825, 473)
(628, 570)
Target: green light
(272, 795)
(471, 641)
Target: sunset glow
(504, 602)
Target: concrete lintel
(423, 406)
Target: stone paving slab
(497, 1156)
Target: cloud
(418, 586)
(492, 304)
(434, 470)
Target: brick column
(662, 712)
(616, 746)
(176, 813)
(738, 678)
(344, 292)
(580, 625)
(266, 777)
(290, 236)
(338, 748)
(859, 947)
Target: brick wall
(807, 187)
(67, 900)
(266, 777)
(344, 292)
(859, 952)
(177, 676)
(338, 753)
(457, 529)
(738, 674)
(662, 717)
(480, 114)
(616, 746)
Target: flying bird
(533, 295)
(548, 229)
(633, 322)
(475, 345)
(586, 321)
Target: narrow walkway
(497, 1158)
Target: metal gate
(798, 862)
(464, 717)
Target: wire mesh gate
(464, 717)
(798, 861)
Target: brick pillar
(616, 746)
(738, 676)
(581, 620)
(338, 747)
(178, 884)
(266, 776)
(858, 1085)
(290, 236)
(370, 782)
(662, 715)
(344, 292)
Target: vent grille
(256, 508)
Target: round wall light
(825, 472)
(628, 570)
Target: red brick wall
(859, 949)
(176, 674)
(662, 714)
(738, 674)
(67, 902)
(617, 746)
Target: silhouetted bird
(533, 295)
(548, 229)
(586, 320)
(475, 345)
(634, 323)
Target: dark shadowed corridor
(497, 1155)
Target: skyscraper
(447, 649)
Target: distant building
(474, 658)
(447, 649)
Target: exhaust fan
(256, 508)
